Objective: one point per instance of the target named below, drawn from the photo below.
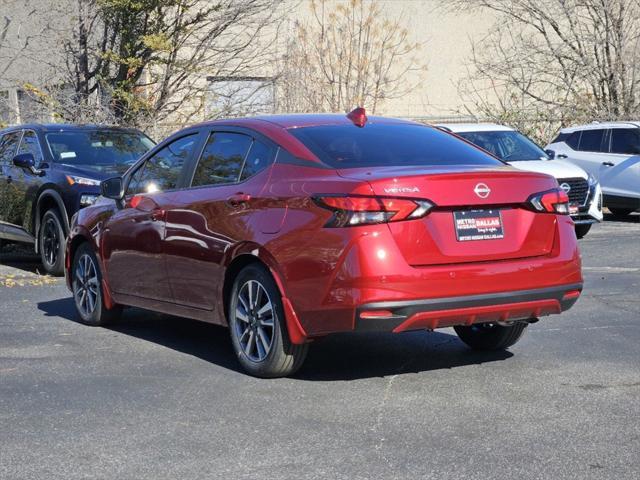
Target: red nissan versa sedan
(288, 228)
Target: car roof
(299, 120)
(276, 126)
(475, 127)
(600, 125)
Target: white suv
(519, 151)
(611, 153)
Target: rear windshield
(388, 145)
(97, 149)
(509, 146)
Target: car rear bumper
(328, 293)
(400, 316)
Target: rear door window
(348, 146)
(625, 141)
(222, 159)
(592, 141)
(260, 156)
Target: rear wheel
(582, 230)
(258, 330)
(491, 336)
(51, 243)
(86, 281)
(620, 212)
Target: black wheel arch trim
(57, 198)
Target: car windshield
(388, 145)
(98, 149)
(509, 146)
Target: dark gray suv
(48, 172)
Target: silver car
(611, 153)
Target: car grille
(579, 189)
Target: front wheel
(51, 243)
(86, 281)
(582, 230)
(258, 330)
(491, 336)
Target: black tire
(620, 212)
(51, 243)
(490, 336)
(98, 315)
(582, 230)
(277, 357)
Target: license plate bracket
(473, 225)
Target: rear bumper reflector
(571, 294)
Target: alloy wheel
(85, 285)
(255, 321)
(50, 241)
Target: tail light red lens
(552, 201)
(352, 211)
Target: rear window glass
(348, 146)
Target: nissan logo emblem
(482, 190)
(566, 187)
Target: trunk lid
(491, 197)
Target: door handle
(562, 155)
(608, 164)
(157, 214)
(238, 199)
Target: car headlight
(72, 179)
(87, 199)
(591, 180)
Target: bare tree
(20, 34)
(146, 62)
(348, 54)
(557, 60)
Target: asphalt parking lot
(160, 397)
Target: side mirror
(551, 154)
(112, 188)
(26, 161)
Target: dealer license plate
(478, 225)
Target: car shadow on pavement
(203, 340)
(633, 218)
(21, 258)
(355, 356)
(335, 358)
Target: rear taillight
(355, 210)
(551, 201)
